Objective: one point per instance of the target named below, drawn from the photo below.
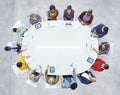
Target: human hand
(92, 79)
(68, 23)
(90, 35)
(83, 23)
(47, 67)
(62, 79)
(95, 50)
(94, 35)
(73, 68)
(28, 63)
(27, 56)
(41, 70)
(25, 48)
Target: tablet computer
(52, 69)
(38, 25)
(90, 60)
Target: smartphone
(52, 69)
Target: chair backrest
(32, 83)
(16, 25)
(19, 73)
(51, 86)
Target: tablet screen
(38, 25)
(90, 60)
(52, 69)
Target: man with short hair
(20, 31)
(69, 81)
(100, 30)
(100, 65)
(14, 47)
(21, 63)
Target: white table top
(59, 45)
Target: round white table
(59, 45)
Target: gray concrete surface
(105, 11)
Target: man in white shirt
(14, 47)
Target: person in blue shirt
(99, 31)
(69, 81)
(86, 77)
(35, 18)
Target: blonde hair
(53, 80)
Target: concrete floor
(105, 11)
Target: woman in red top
(52, 13)
(99, 65)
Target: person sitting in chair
(69, 81)
(34, 75)
(103, 48)
(14, 47)
(52, 13)
(21, 64)
(68, 13)
(35, 18)
(86, 77)
(51, 79)
(99, 31)
(86, 17)
(20, 31)
(100, 65)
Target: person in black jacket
(86, 17)
(86, 77)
